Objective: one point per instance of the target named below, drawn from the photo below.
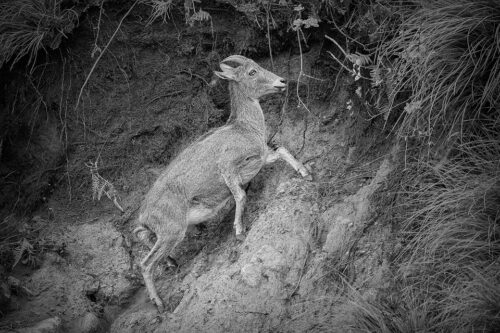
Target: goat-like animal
(201, 181)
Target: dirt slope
(280, 278)
(305, 238)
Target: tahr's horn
(239, 59)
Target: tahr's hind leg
(164, 244)
(145, 235)
(148, 266)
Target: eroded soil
(306, 240)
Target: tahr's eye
(252, 72)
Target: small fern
(376, 76)
(359, 59)
(24, 247)
(200, 16)
(197, 15)
(101, 186)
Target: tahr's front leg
(284, 154)
(233, 182)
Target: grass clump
(446, 275)
(449, 264)
(445, 67)
(28, 26)
(444, 89)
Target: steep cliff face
(283, 277)
(149, 96)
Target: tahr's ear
(227, 73)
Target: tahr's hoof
(240, 237)
(308, 177)
(171, 262)
(306, 172)
(159, 305)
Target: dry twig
(102, 53)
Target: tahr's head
(253, 80)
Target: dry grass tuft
(159, 9)
(28, 26)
